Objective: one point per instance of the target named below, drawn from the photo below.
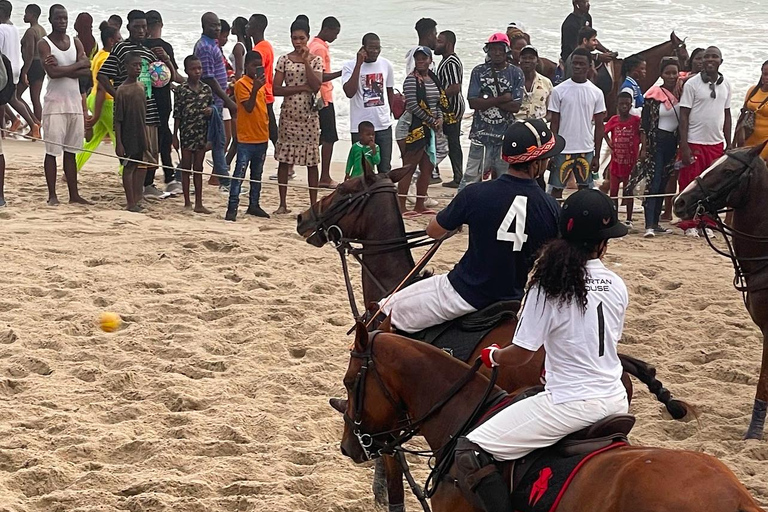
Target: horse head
(340, 213)
(371, 414)
(724, 184)
(678, 48)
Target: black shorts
(328, 124)
(36, 72)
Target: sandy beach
(214, 394)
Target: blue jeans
(482, 158)
(666, 149)
(253, 154)
(218, 140)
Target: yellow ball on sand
(109, 321)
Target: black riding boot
(479, 476)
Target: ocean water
(623, 26)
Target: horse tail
(646, 374)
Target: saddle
(461, 336)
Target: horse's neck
(390, 268)
(752, 218)
(422, 378)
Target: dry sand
(214, 395)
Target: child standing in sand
(364, 154)
(191, 113)
(130, 117)
(622, 133)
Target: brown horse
(365, 209)
(740, 181)
(404, 384)
(609, 83)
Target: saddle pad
(460, 337)
(547, 479)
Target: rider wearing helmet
(575, 307)
(509, 219)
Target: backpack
(6, 81)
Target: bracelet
(490, 356)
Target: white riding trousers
(428, 302)
(536, 422)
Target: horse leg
(757, 424)
(388, 490)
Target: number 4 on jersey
(516, 213)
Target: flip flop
(410, 214)
(427, 212)
(331, 186)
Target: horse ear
(756, 151)
(397, 174)
(361, 337)
(386, 324)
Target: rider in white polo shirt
(575, 307)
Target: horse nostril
(298, 218)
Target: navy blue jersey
(509, 219)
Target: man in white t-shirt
(10, 46)
(369, 84)
(705, 123)
(575, 105)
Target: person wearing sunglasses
(705, 123)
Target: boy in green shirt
(363, 154)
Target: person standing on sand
(192, 112)
(705, 124)
(328, 135)
(130, 130)
(298, 76)
(10, 46)
(450, 71)
(100, 104)
(162, 97)
(112, 74)
(215, 76)
(538, 88)
(756, 104)
(577, 110)
(257, 25)
(369, 84)
(32, 73)
(495, 93)
(65, 62)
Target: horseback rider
(509, 219)
(575, 307)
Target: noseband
(715, 199)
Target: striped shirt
(412, 102)
(209, 53)
(450, 71)
(114, 69)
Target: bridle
(326, 229)
(389, 442)
(711, 206)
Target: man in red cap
(495, 93)
(509, 219)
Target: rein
(327, 230)
(390, 442)
(706, 208)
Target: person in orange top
(257, 24)
(328, 136)
(252, 135)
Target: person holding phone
(253, 135)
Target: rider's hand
(487, 355)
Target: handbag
(747, 120)
(398, 104)
(316, 103)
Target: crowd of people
(662, 138)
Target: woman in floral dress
(298, 76)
